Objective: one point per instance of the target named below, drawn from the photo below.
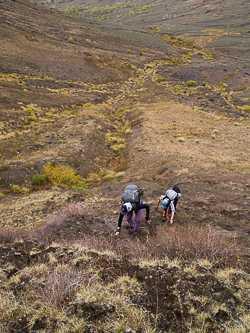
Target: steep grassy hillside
(153, 95)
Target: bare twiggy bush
(61, 285)
(70, 213)
(225, 206)
(189, 243)
(10, 234)
(199, 199)
(102, 245)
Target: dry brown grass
(185, 242)
(10, 234)
(61, 284)
(58, 222)
(158, 139)
(226, 206)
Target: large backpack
(171, 194)
(132, 194)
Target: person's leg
(129, 218)
(138, 216)
(168, 212)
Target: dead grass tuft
(199, 199)
(225, 206)
(58, 222)
(185, 242)
(10, 234)
(61, 285)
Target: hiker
(132, 202)
(169, 202)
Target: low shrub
(162, 169)
(39, 179)
(159, 79)
(128, 52)
(32, 118)
(246, 108)
(191, 83)
(15, 188)
(83, 186)
(58, 222)
(120, 176)
(10, 234)
(62, 174)
(61, 285)
(185, 242)
(29, 110)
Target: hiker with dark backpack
(169, 202)
(132, 202)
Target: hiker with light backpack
(169, 202)
(132, 202)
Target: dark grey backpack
(132, 194)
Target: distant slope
(40, 40)
(223, 24)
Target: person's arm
(173, 211)
(172, 217)
(117, 233)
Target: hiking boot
(136, 232)
(164, 214)
(128, 226)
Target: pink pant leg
(138, 216)
(129, 218)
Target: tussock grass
(58, 222)
(11, 234)
(185, 242)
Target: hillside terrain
(94, 97)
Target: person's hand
(117, 233)
(171, 221)
(148, 221)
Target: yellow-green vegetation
(191, 83)
(120, 176)
(62, 174)
(159, 79)
(246, 108)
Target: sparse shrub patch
(191, 83)
(62, 174)
(16, 188)
(246, 108)
(32, 118)
(159, 79)
(120, 176)
(10, 234)
(39, 179)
